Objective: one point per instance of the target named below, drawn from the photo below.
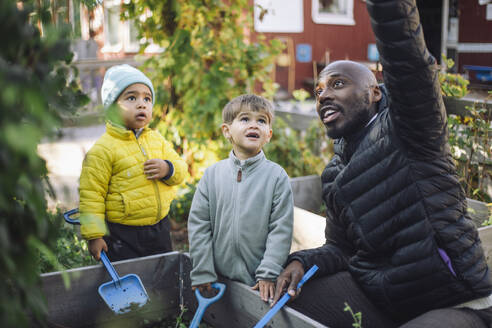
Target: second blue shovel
(281, 302)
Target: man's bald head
(356, 71)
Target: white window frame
(280, 17)
(128, 44)
(334, 19)
(109, 47)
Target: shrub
(35, 89)
(299, 153)
(70, 250)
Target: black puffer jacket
(392, 194)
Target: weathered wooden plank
(81, 305)
(478, 211)
(485, 234)
(307, 192)
(458, 106)
(241, 307)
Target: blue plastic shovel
(284, 299)
(122, 293)
(204, 302)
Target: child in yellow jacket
(127, 179)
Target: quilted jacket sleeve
(180, 166)
(333, 256)
(410, 75)
(94, 180)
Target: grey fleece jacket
(240, 224)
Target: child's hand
(205, 289)
(95, 247)
(156, 168)
(267, 289)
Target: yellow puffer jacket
(114, 186)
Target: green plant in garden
(180, 207)
(208, 59)
(356, 316)
(452, 85)
(297, 152)
(471, 146)
(34, 90)
(300, 95)
(469, 136)
(70, 250)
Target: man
(399, 246)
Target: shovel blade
(125, 294)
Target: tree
(34, 90)
(208, 59)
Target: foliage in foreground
(34, 90)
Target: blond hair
(248, 102)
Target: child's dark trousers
(125, 242)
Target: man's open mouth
(252, 135)
(329, 113)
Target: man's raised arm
(410, 75)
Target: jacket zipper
(154, 183)
(236, 205)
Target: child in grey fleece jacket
(241, 217)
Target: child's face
(135, 104)
(248, 133)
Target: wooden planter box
(166, 279)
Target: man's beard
(355, 124)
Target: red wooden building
(473, 48)
(333, 30)
(315, 32)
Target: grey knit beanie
(118, 78)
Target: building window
(112, 37)
(337, 12)
(132, 42)
(277, 17)
(118, 34)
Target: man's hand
(95, 247)
(156, 168)
(288, 280)
(267, 289)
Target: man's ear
(376, 93)
(225, 131)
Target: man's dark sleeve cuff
(295, 257)
(171, 170)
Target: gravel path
(64, 158)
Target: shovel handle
(284, 299)
(112, 272)
(67, 216)
(204, 302)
